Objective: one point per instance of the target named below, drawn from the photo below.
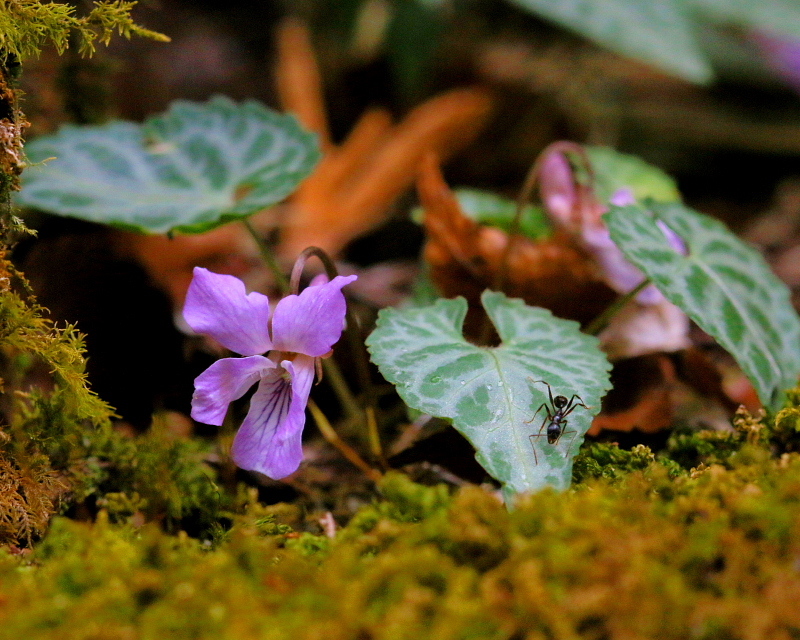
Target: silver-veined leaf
(659, 32)
(722, 284)
(189, 170)
(491, 394)
(614, 170)
(776, 16)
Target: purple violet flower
(300, 329)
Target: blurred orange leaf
(357, 182)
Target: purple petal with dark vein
(270, 438)
(223, 382)
(218, 306)
(312, 322)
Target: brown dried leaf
(170, 261)
(644, 388)
(465, 258)
(375, 166)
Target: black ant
(556, 419)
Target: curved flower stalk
(652, 324)
(301, 329)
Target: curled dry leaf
(357, 183)
(298, 79)
(465, 258)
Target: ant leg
(572, 439)
(547, 419)
(550, 394)
(533, 446)
(534, 415)
(549, 389)
(571, 405)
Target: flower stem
(268, 257)
(523, 199)
(360, 356)
(525, 195)
(602, 321)
(340, 388)
(346, 450)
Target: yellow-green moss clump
(27, 26)
(711, 554)
(57, 445)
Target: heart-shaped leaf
(189, 170)
(721, 283)
(492, 394)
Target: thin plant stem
(346, 450)
(523, 199)
(360, 355)
(334, 375)
(602, 321)
(329, 366)
(268, 258)
(332, 370)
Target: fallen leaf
(356, 183)
(465, 258)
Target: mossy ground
(652, 551)
(700, 541)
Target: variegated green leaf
(189, 170)
(659, 32)
(614, 170)
(492, 394)
(722, 284)
(776, 16)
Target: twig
(346, 450)
(360, 354)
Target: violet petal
(617, 272)
(312, 322)
(218, 306)
(675, 241)
(270, 438)
(622, 197)
(223, 382)
(557, 187)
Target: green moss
(57, 444)
(607, 460)
(711, 554)
(27, 26)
